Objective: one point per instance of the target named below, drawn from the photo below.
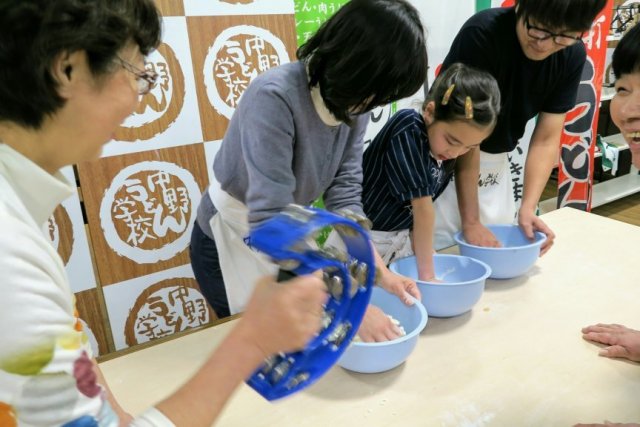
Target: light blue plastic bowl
(516, 256)
(462, 283)
(368, 358)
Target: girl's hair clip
(468, 108)
(447, 94)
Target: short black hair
(626, 56)
(369, 53)
(34, 32)
(571, 15)
(480, 86)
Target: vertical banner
(575, 170)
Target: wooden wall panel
(140, 198)
(66, 231)
(228, 52)
(155, 307)
(59, 229)
(92, 311)
(167, 307)
(171, 79)
(168, 115)
(141, 208)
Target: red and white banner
(575, 171)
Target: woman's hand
(622, 342)
(282, 317)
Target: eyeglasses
(146, 79)
(559, 39)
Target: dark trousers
(206, 267)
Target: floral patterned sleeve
(46, 366)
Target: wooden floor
(625, 210)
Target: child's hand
(401, 286)
(377, 326)
(432, 279)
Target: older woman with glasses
(145, 79)
(534, 51)
(70, 72)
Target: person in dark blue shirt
(410, 162)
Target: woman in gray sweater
(298, 135)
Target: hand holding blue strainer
(289, 239)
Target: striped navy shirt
(398, 168)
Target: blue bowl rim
(485, 276)
(423, 322)
(538, 242)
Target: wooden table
(517, 359)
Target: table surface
(516, 359)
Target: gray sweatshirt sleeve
(266, 137)
(345, 191)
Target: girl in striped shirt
(411, 160)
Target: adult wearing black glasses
(535, 52)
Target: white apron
(391, 245)
(241, 266)
(495, 197)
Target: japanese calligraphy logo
(59, 230)
(148, 210)
(165, 308)
(160, 108)
(237, 56)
